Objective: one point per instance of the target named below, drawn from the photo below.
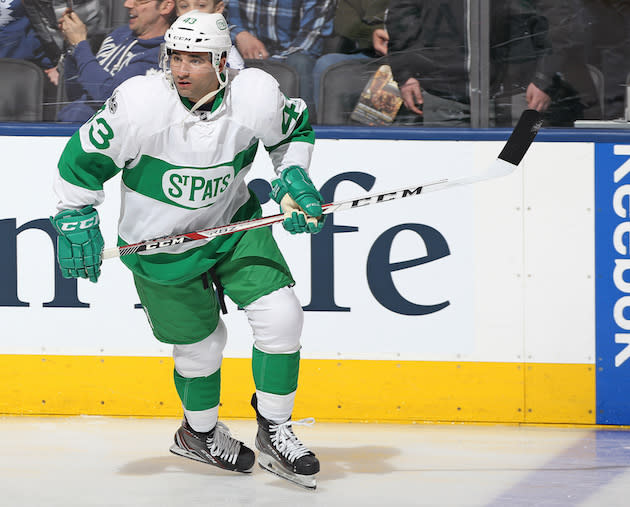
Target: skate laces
(223, 444)
(286, 441)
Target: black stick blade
(521, 137)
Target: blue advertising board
(612, 286)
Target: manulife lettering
(196, 188)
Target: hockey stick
(510, 157)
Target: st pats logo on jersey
(196, 188)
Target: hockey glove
(79, 244)
(299, 200)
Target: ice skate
(216, 447)
(282, 453)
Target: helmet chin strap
(207, 97)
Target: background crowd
(354, 62)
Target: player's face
(211, 6)
(193, 74)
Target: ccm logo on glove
(82, 224)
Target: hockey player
(184, 141)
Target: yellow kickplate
(334, 390)
(556, 393)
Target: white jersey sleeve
(96, 153)
(281, 123)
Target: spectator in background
(210, 6)
(596, 32)
(357, 23)
(235, 60)
(28, 30)
(428, 54)
(18, 38)
(564, 73)
(609, 47)
(126, 52)
(292, 31)
(607, 34)
(519, 45)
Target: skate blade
(271, 465)
(175, 449)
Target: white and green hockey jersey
(182, 171)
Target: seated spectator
(18, 39)
(357, 23)
(292, 31)
(428, 54)
(126, 52)
(29, 31)
(572, 26)
(235, 60)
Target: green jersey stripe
(83, 169)
(186, 187)
(302, 132)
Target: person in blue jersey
(18, 37)
(126, 52)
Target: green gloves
(79, 244)
(299, 200)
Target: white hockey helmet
(198, 32)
